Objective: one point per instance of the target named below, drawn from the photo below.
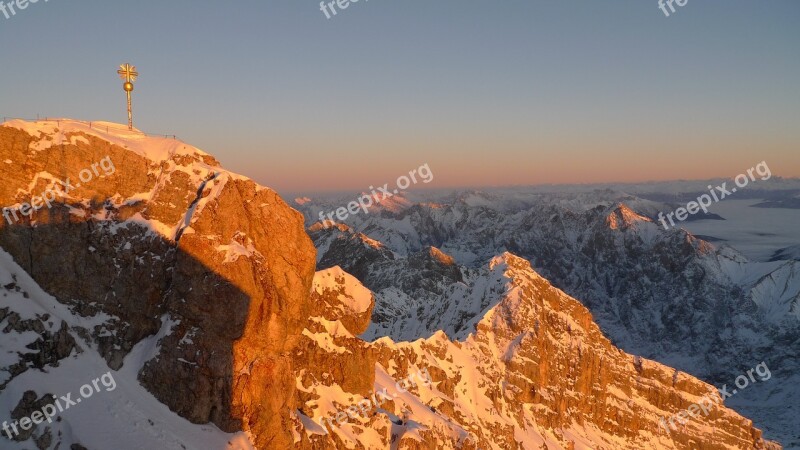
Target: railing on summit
(92, 125)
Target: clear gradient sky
(486, 92)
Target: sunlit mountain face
(458, 320)
(399, 225)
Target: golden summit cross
(128, 74)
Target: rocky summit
(202, 295)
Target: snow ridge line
(187, 219)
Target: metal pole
(130, 111)
(128, 74)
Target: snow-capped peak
(623, 217)
(155, 148)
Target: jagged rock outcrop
(355, 252)
(337, 295)
(167, 242)
(535, 373)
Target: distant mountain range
(666, 295)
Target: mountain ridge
(197, 288)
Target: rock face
(167, 241)
(337, 295)
(536, 373)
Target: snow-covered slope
(120, 414)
